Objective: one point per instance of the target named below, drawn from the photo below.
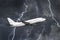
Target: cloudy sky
(36, 8)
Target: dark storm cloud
(11, 3)
(56, 4)
(56, 9)
(8, 7)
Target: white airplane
(19, 24)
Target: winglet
(10, 21)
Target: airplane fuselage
(27, 22)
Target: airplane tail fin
(10, 21)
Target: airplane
(23, 23)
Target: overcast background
(36, 8)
